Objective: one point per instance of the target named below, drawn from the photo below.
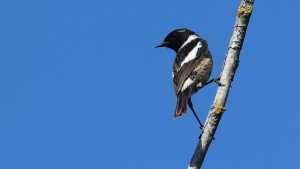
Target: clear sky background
(82, 86)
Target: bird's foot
(217, 80)
(201, 126)
(202, 133)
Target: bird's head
(176, 39)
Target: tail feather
(181, 107)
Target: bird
(191, 69)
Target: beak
(162, 45)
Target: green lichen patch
(219, 108)
(245, 10)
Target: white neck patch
(192, 55)
(190, 38)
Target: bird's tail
(181, 104)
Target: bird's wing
(182, 73)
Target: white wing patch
(190, 38)
(192, 54)
(187, 83)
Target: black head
(176, 39)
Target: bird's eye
(174, 36)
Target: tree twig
(228, 71)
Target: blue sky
(82, 86)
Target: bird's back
(193, 61)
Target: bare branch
(228, 71)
